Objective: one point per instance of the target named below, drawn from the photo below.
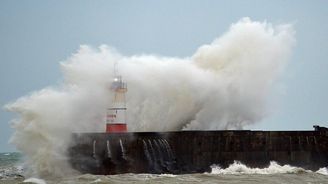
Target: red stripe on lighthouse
(116, 127)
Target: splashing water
(146, 151)
(211, 89)
(323, 171)
(34, 180)
(109, 153)
(94, 149)
(168, 149)
(123, 150)
(274, 168)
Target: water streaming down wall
(147, 153)
(160, 160)
(109, 153)
(195, 151)
(123, 150)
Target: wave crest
(274, 168)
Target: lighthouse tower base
(116, 127)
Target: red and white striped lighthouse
(116, 114)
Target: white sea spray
(323, 171)
(273, 168)
(34, 180)
(223, 85)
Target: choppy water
(11, 172)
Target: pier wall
(195, 151)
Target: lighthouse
(116, 113)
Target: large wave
(223, 85)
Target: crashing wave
(214, 84)
(239, 168)
(323, 171)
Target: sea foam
(35, 180)
(323, 171)
(273, 168)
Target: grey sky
(36, 35)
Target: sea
(12, 171)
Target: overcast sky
(36, 35)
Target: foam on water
(35, 180)
(323, 171)
(11, 172)
(10, 166)
(97, 181)
(168, 175)
(273, 168)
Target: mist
(225, 84)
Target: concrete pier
(195, 151)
